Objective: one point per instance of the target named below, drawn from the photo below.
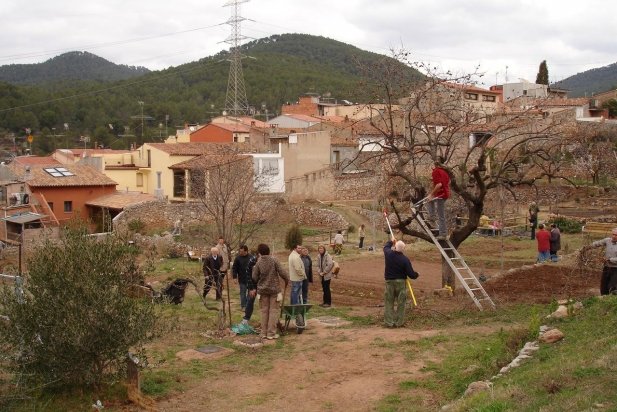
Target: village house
(56, 193)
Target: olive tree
(76, 320)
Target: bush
(293, 237)
(351, 229)
(567, 225)
(136, 225)
(76, 321)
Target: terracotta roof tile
(189, 149)
(208, 161)
(82, 175)
(35, 160)
(121, 200)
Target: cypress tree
(542, 77)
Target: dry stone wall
(313, 216)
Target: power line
(101, 45)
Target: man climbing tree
(483, 148)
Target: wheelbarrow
(298, 311)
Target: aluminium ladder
(454, 259)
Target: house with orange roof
(190, 176)
(59, 193)
(222, 133)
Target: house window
(51, 206)
(336, 156)
(471, 96)
(140, 180)
(270, 166)
(486, 98)
(68, 206)
(179, 189)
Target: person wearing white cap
(398, 269)
(608, 282)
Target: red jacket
(441, 176)
(544, 240)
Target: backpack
(335, 268)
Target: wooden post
(132, 372)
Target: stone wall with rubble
(314, 216)
(159, 213)
(327, 184)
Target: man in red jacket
(544, 244)
(438, 197)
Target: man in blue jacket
(398, 269)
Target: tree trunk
(447, 274)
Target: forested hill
(277, 69)
(68, 66)
(591, 81)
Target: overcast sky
(457, 35)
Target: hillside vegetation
(280, 69)
(69, 66)
(591, 81)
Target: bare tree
(442, 116)
(592, 149)
(231, 195)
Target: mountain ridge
(70, 66)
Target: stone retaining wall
(313, 216)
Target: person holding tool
(437, 198)
(398, 269)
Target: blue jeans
(305, 289)
(438, 207)
(296, 291)
(248, 311)
(243, 297)
(543, 256)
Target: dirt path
(327, 369)
(353, 368)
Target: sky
(506, 39)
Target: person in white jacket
(296, 274)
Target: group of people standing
(258, 276)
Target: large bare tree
(230, 194)
(441, 116)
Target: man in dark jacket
(212, 273)
(398, 269)
(239, 270)
(308, 269)
(251, 288)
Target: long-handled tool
(279, 323)
(413, 297)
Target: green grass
(573, 374)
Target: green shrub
(76, 321)
(351, 229)
(136, 225)
(293, 237)
(567, 225)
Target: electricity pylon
(236, 102)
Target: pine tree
(542, 77)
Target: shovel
(279, 324)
